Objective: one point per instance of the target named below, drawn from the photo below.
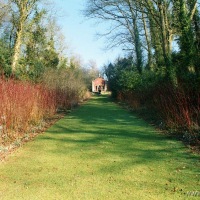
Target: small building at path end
(99, 83)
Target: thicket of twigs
(177, 108)
(25, 105)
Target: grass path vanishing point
(100, 151)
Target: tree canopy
(149, 29)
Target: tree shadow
(102, 131)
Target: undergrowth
(24, 107)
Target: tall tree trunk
(24, 9)
(156, 44)
(187, 49)
(17, 49)
(148, 41)
(196, 21)
(138, 48)
(136, 38)
(165, 40)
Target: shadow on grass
(100, 130)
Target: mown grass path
(100, 151)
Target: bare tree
(23, 9)
(123, 18)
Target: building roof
(99, 81)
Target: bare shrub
(23, 104)
(69, 85)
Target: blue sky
(80, 33)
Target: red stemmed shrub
(180, 109)
(177, 107)
(23, 104)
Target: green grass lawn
(100, 151)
